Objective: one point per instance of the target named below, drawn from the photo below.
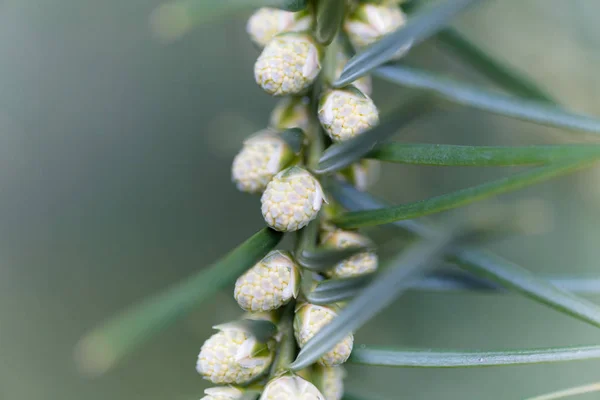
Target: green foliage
(484, 263)
(335, 290)
(457, 281)
(409, 265)
(472, 96)
(479, 156)
(412, 268)
(320, 260)
(104, 346)
(512, 276)
(329, 16)
(427, 358)
(459, 198)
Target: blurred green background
(115, 150)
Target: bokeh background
(115, 149)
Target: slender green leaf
(574, 391)
(483, 263)
(479, 156)
(173, 19)
(390, 357)
(335, 290)
(473, 96)
(404, 268)
(496, 71)
(322, 259)
(328, 16)
(101, 348)
(352, 220)
(353, 199)
(458, 281)
(343, 154)
(517, 278)
(415, 31)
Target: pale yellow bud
(233, 356)
(309, 320)
(371, 22)
(288, 65)
(346, 113)
(268, 285)
(291, 388)
(223, 393)
(362, 174)
(262, 156)
(356, 265)
(291, 112)
(291, 200)
(330, 381)
(363, 84)
(268, 22)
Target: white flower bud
(291, 112)
(362, 174)
(262, 156)
(291, 388)
(269, 284)
(223, 393)
(346, 113)
(330, 381)
(233, 356)
(358, 264)
(363, 83)
(371, 22)
(291, 200)
(288, 65)
(309, 320)
(268, 22)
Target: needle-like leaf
(328, 19)
(479, 156)
(390, 357)
(486, 100)
(335, 290)
(322, 259)
(483, 263)
(101, 348)
(404, 268)
(418, 28)
(352, 220)
(460, 281)
(515, 277)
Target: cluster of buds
(274, 163)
